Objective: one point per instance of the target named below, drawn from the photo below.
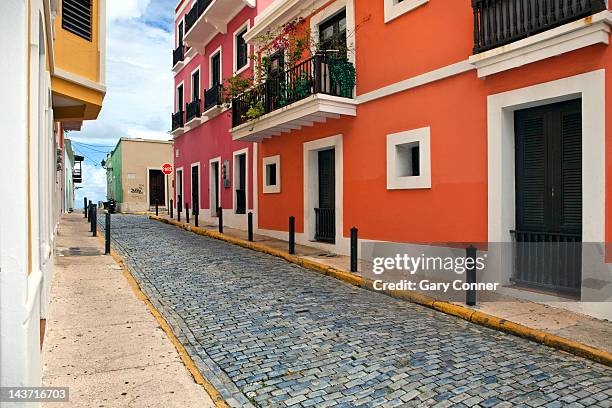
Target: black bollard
(90, 214)
(157, 208)
(250, 226)
(187, 212)
(196, 215)
(85, 206)
(94, 221)
(292, 235)
(220, 214)
(470, 294)
(107, 234)
(354, 253)
(171, 208)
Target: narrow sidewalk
(102, 342)
(561, 322)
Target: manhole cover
(78, 251)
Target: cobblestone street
(268, 333)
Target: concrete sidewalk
(102, 342)
(558, 321)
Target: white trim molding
(311, 190)
(395, 8)
(590, 87)
(274, 188)
(235, 69)
(307, 112)
(219, 51)
(397, 181)
(211, 182)
(196, 164)
(572, 36)
(235, 175)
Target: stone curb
(474, 316)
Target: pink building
(211, 170)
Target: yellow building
(52, 79)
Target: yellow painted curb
(187, 361)
(463, 312)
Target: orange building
(482, 121)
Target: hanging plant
(343, 76)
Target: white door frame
(235, 174)
(179, 182)
(311, 189)
(590, 87)
(211, 182)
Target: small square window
(408, 160)
(271, 168)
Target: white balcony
(208, 18)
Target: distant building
(134, 174)
(72, 175)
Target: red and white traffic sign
(167, 168)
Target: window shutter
(76, 17)
(530, 171)
(571, 172)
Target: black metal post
(178, 208)
(187, 212)
(107, 234)
(470, 294)
(94, 221)
(196, 215)
(89, 212)
(354, 252)
(171, 208)
(90, 217)
(292, 235)
(250, 226)
(220, 215)
(85, 206)
(156, 208)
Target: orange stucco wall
(455, 208)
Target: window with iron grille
(76, 17)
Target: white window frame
(423, 180)
(330, 11)
(176, 38)
(210, 57)
(182, 108)
(236, 70)
(393, 9)
(235, 174)
(191, 76)
(267, 189)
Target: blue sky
(138, 100)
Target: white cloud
(125, 9)
(93, 186)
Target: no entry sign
(167, 168)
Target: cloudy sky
(138, 101)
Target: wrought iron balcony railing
(501, 22)
(178, 54)
(213, 97)
(178, 120)
(196, 11)
(193, 110)
(312, 76)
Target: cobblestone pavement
(268, 333)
